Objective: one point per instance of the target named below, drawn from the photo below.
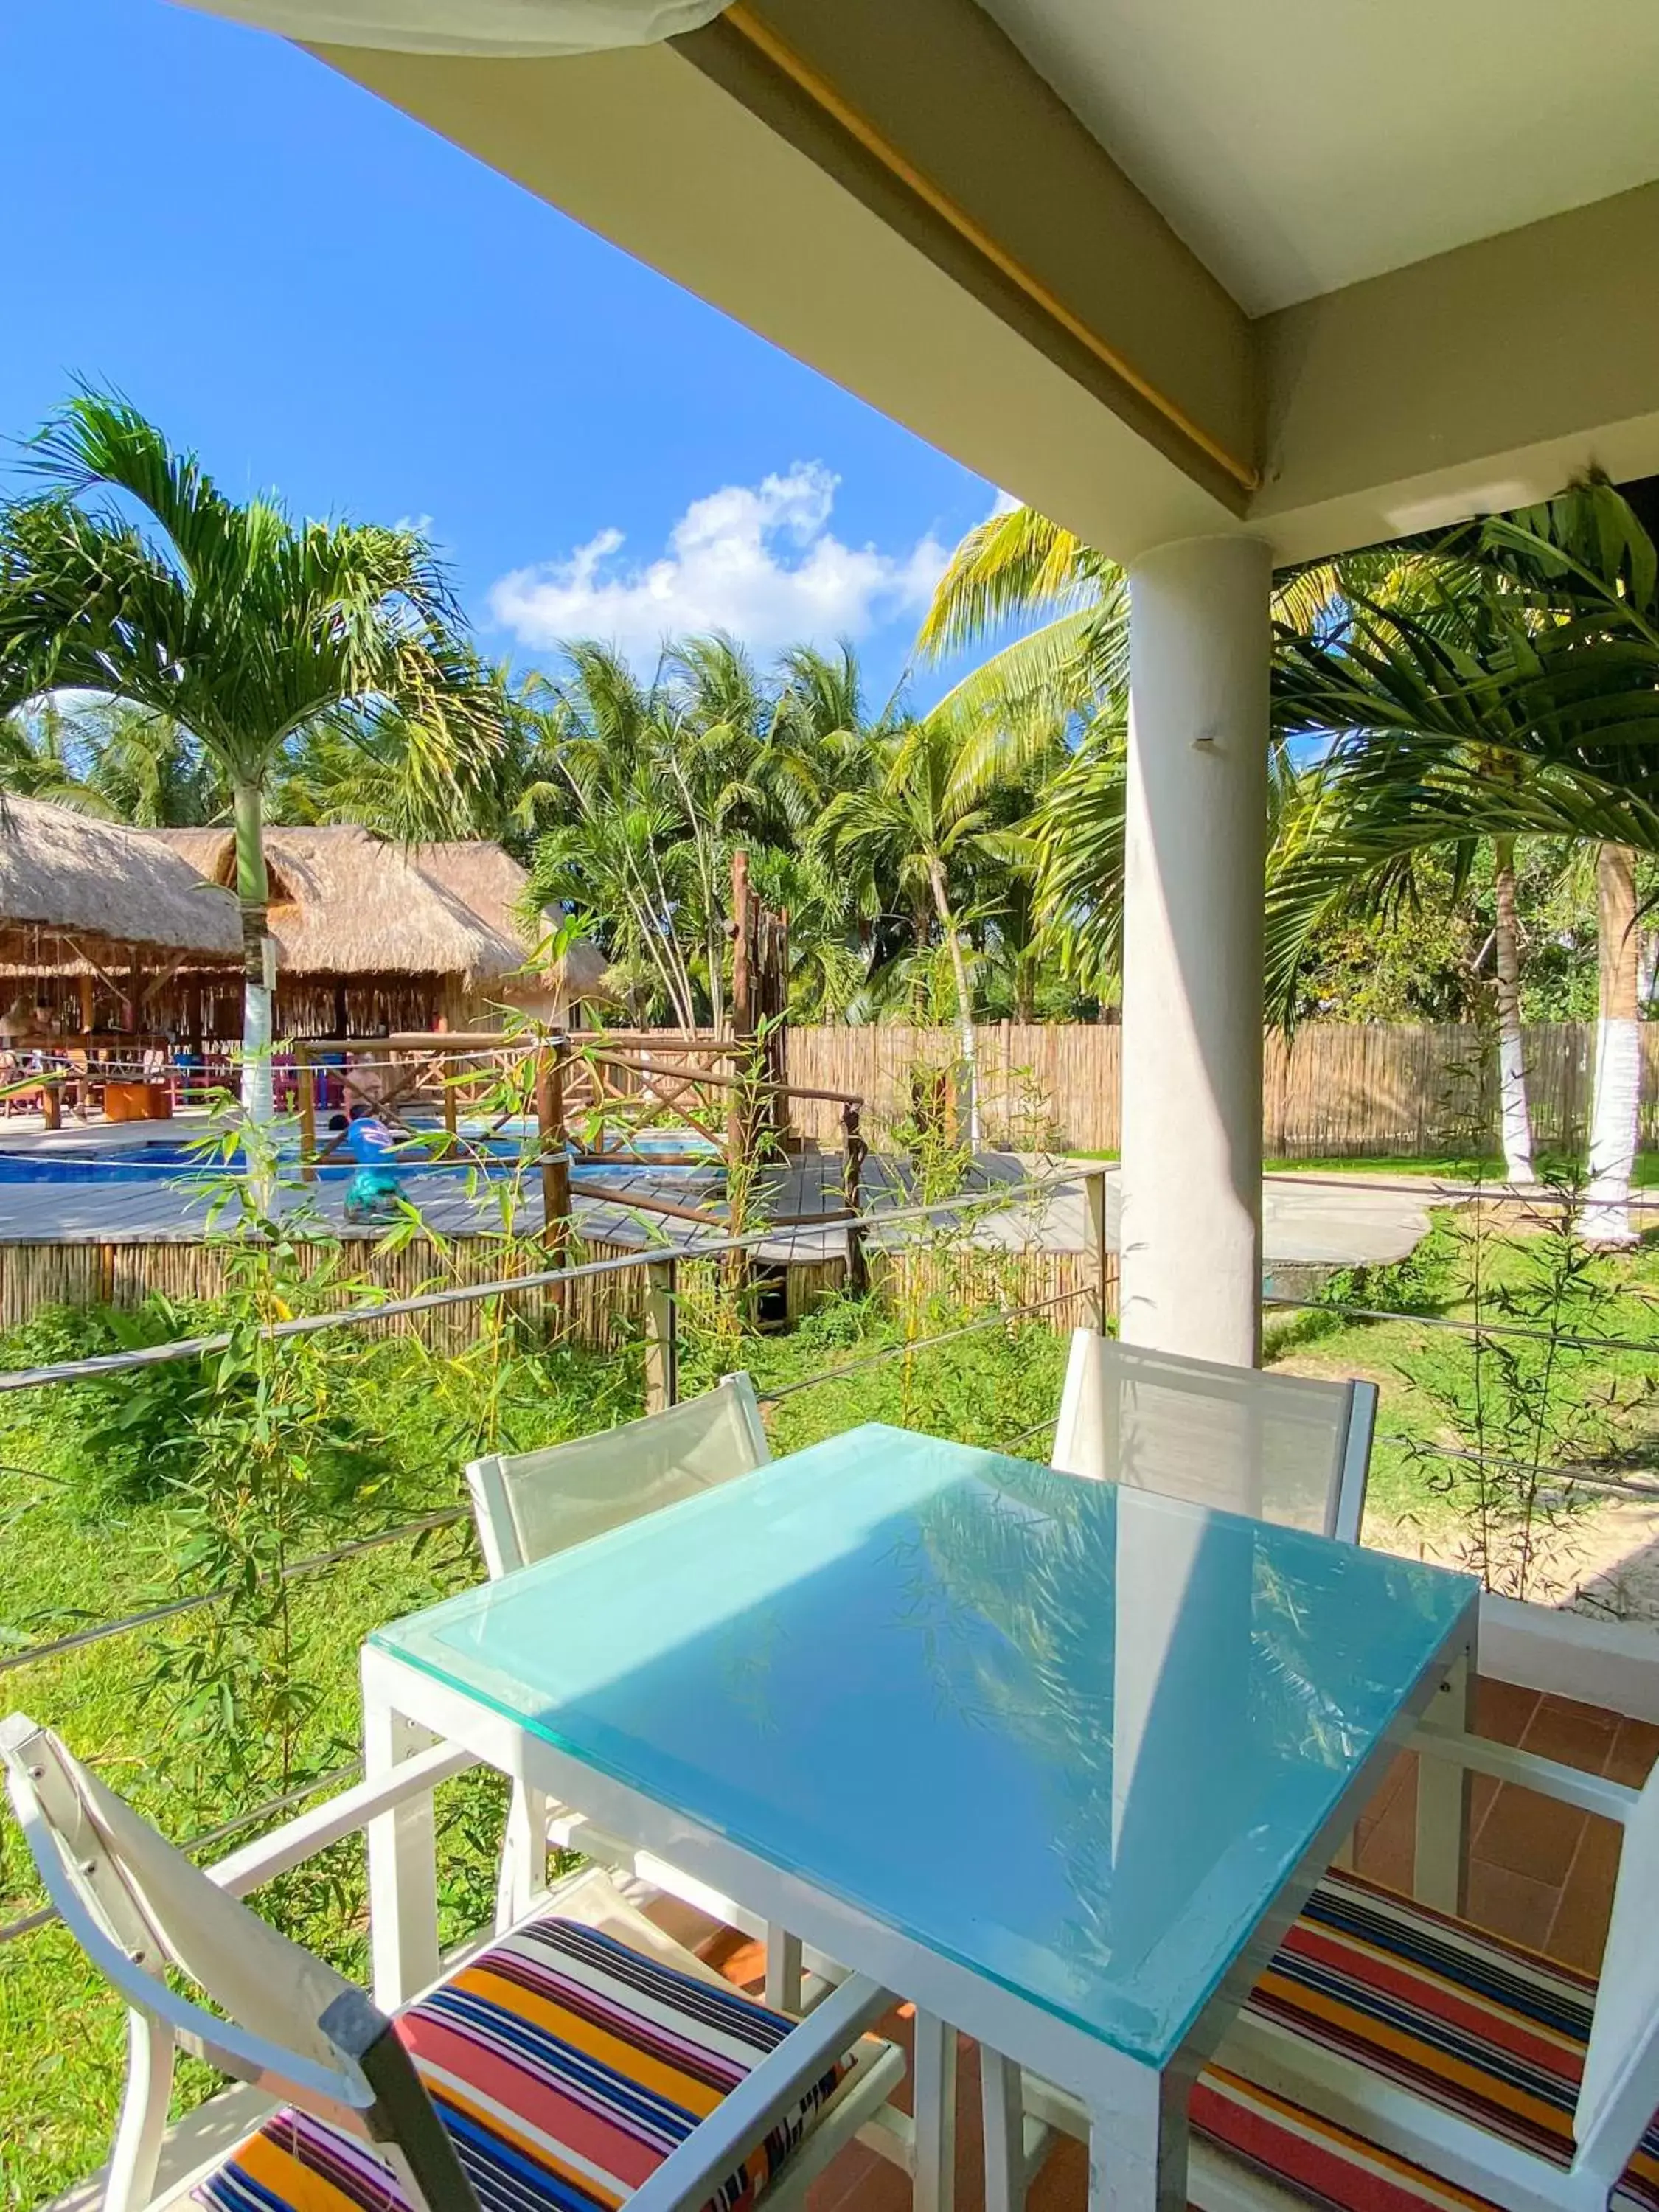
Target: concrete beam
(933, 117)
(893, 195)
(1477, 380)
(652, 151)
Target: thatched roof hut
(495, 887)
(371, 935)
(348, 903)
(78, 894)
(374, 935)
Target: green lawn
(76, 1547)
(1536, 1402)
(1445, 1167)
(1450, 1169)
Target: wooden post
(739, 1112)
(743, 985)
(555, 1159)
(305, 1084)
(89, 1011)
(450, 1116)
(858, 1264)
(662, 1335)
(51, 1104)
(1094, 1184)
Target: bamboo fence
(603, 1311)
(1336, 1090)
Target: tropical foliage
(129, 576)
(1460, 724)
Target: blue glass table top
(1074, 1737)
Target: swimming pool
(172, 1159)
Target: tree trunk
(1617, 1103)
(253, 893)
(965, 1003)
(1511, 1055)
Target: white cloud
(759, 561)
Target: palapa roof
(346, 903)
(99, 890)
(486, 878)
(495, 886)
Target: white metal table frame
(1137, 2112)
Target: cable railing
(1467, 1326)
(665, 1251)
(659, 1261)
(660, 1258)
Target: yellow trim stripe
(824, 94)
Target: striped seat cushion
(565, 2065)
(1480, 2026)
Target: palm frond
(1012, 566)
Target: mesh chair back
(1282, 1448)
(542, 1502)
(138, 1907)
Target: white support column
(1200, 647)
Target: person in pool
(376, 1187)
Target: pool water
(172, 1159)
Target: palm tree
(1414, 655)
(363, 778)
(1019, 568)
(149, 769)
(1369, 790)
(1514, 1117)
(648, 787)
(620, 842)
(923, 821)
(239, 625)
(1537, 713)
(1590, 559)
(1617, 1097)
(39, 758)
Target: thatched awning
(75, 891)
(345, 903)
(497, 889)
(487, 880)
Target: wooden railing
(593, 1098)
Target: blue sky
(322, 297)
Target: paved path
(1330, 1222)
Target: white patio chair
(1394, 2057)
(534, 1503)
(1283, 1447)
(539, 2067)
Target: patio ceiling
(1323, 272)
(1298, 146)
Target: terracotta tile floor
(1538, 1874)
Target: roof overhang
(895, 196)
